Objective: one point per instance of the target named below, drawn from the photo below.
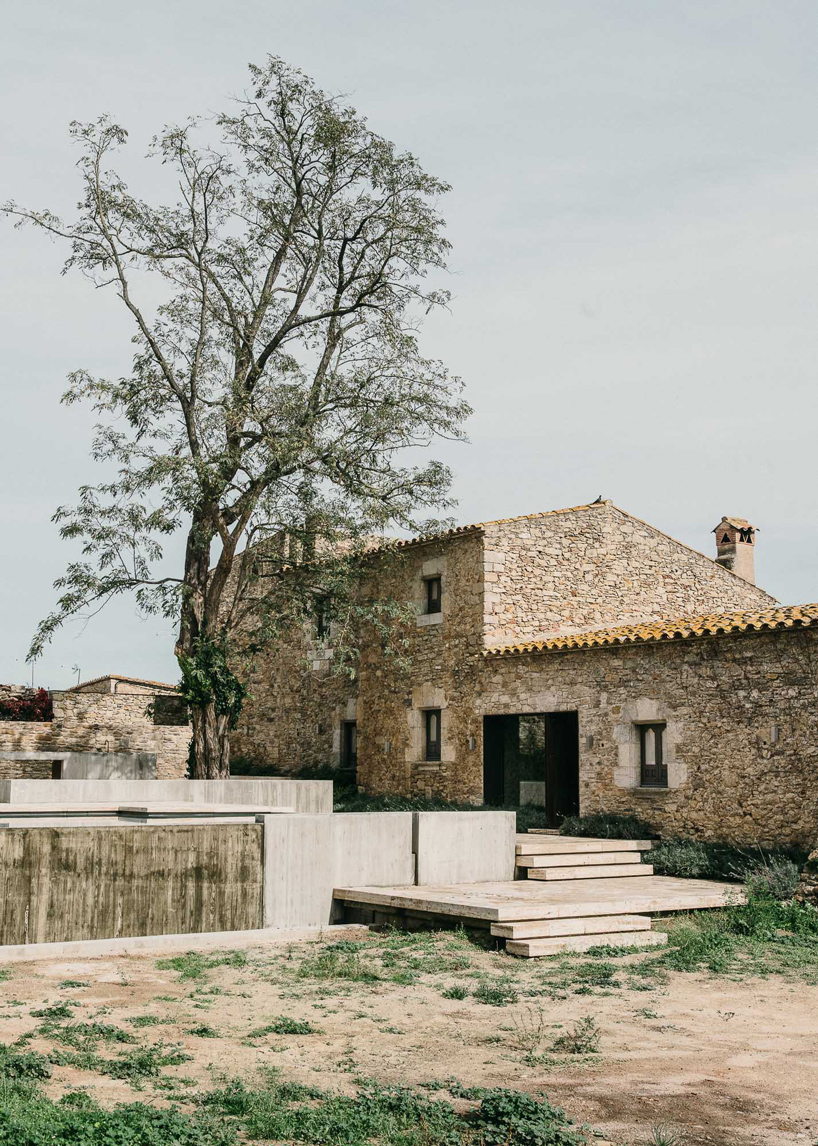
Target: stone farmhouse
(577, 658)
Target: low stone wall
(60, 884)
(96, 722)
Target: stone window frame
(425, 697)
(628, 769)
(429, 571)
(659, 728)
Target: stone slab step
(536, 948)
(593, 925)
(586, 859)
(595, 872)
(532, 845)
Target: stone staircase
(541, 855)
(550, 857)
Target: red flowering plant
(35, 705)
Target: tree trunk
(211, 732)
(211, 744)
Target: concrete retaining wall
(60, 884)
(307, 856)
(274, 791)
(463, 847)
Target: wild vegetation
(259, 1018)
(276, 385)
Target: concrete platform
(98, 814)
(532, 948)
(536, 900)
(577, 859)
(529, 844)
(590, 925)
(598, 871)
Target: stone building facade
(87, 721)
(495, 706)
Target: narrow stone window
(653, 768)
(432, 719)
(321, 618)
(433, 594)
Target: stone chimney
(735, 542)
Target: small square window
(432, 718)
(652, 763)
(433, 594)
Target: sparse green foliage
(276, 385)
(583, 1038)
(496, 994)
(337, 961)
(284, 1025)
(455, 991)
(196, 964)
(604, 825)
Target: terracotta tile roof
(128, 679)
(682, 628)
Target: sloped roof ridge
(118, 676)
(679, 628)
(690, 549)
(479, 526)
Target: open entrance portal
(533, 758)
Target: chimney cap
(736, 523)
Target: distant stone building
(115, 726)
(579, 659)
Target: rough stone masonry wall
(742, 742)
(292, 717)
(593, 568)
(88, 722)
(444, 652)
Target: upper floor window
(432, 718)
(321, 617)
(652, 759)
(433, 594)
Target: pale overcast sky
(635, 263)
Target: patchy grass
(338, 961)
(196, 964)
(496, 994)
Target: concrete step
(586, 859)
(597, 872)
(536, 948)
(591, 925)
(529, 844)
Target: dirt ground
(731, 1061)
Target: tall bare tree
(274, 387)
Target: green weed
(455, 992)
(337, 962)
(497, 994)
(69, 984)
(196, 964)
(203, 1031)
(583, 1039)
(56, 1011)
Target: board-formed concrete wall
(307, 856)
(463, 847)
(60, 884)
(270, 791)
